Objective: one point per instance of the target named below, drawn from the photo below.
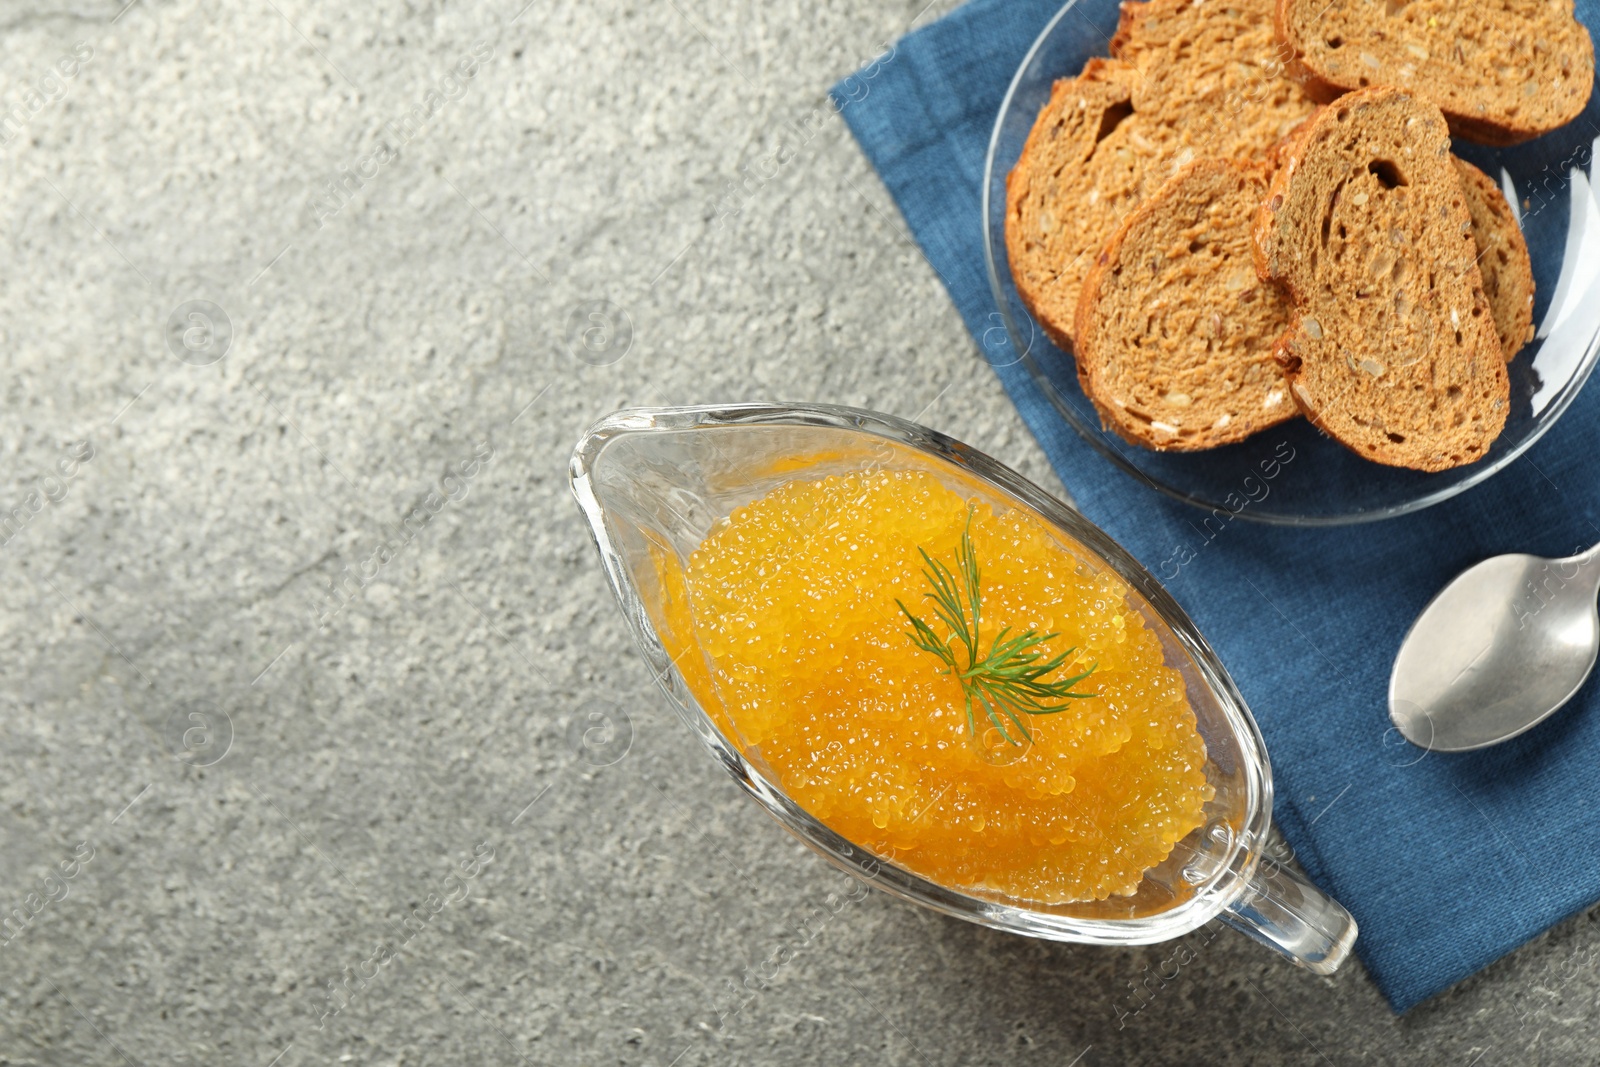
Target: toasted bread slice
(1502, 71)
(1187, 80)
(1213, 73)
(1392, 350)
(1502, 253)
(1174, 329)
(1078, 173)
(1502, 258)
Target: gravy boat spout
(653, 483)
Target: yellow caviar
(805, 663)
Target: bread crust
(1485, 116)
(1287, 156)
(1503, 258)
(1392, 350)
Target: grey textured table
(301, 632)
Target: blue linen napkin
(1448, 861)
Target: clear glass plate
(1546, 180)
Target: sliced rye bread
(1174, 346)
(1502, 253)
(1174, 330)
(1502, 71)
(1214, 72)
(1188, 80)
(1392, 350)
(1502, 258)
(1078, 173)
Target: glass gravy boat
(654, 481)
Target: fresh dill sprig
(1008, 679)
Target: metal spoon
(1497, 651)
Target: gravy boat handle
(1288, 914)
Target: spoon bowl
(1497, 651)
